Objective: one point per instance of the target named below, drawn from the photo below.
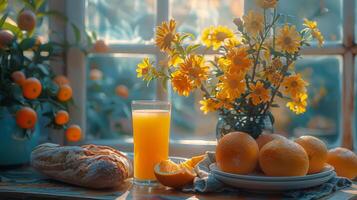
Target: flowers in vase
(253, 66)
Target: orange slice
(175, 175)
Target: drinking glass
(151, 130)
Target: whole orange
(61, 117)
(100, 46)
(283, 158)
(26, 118)
(344, 161)
(6, 38)
(26, 20)
(61, 80)
(73, 133)
(237, 153)
(64, 93)
(122, 91)
(18, 77)
(31, 88)
(316, 151)
(264, 138)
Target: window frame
(75, 11)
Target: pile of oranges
(275, 155)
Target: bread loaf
(89, 165)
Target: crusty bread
(89, 165)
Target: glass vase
(254, 125)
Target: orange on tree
(100, 46)
(237, 152)
(18, 77)
(6, 38)
(73, 133)
(61, 117)
(264, 138)
(31, 88)
(283, 158)
(316, 151)
(61, 80)
(64, 93)
(122, 91)
(176, 175)
(95, 74)
(26, 118)
(344, 161)
(26, 20)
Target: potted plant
(29, 90)
(254, 65)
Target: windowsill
(181, 148)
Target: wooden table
(24, 183)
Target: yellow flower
(299, 104)
(175, 59)
(294, 85)
(310, 24)
(288, 39)
(315, 32)
(223, 63)
(253, 22)
(239, 58)
(165, 35)
(209, 105)
(206, 36)
(318, 36)
(215, 36)
(231, 42)
(259, 93)
(144, 68)
(232, 85)
(195, 67)
(223, 100)
(267, 3)
(181, 83)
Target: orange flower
(181, 83)
(240, 61)
(259, 93)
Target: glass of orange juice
(151, 127)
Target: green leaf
(3, 5)
(3, 19)
(94, 36)
(77, 33)
(27, 43)
(43, 69)
(191, 48)
(38, 3)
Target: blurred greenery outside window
(132, 22)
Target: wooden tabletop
(25, 183)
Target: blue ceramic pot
(15, 151)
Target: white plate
(327, 171)
(272, 186)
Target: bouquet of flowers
(254, 65)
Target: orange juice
(151, 141)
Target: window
(128, 27)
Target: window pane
(188, 121)
(125, 21)
(194, 15)
(111, 86)
(327, 13)
(322, 116)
